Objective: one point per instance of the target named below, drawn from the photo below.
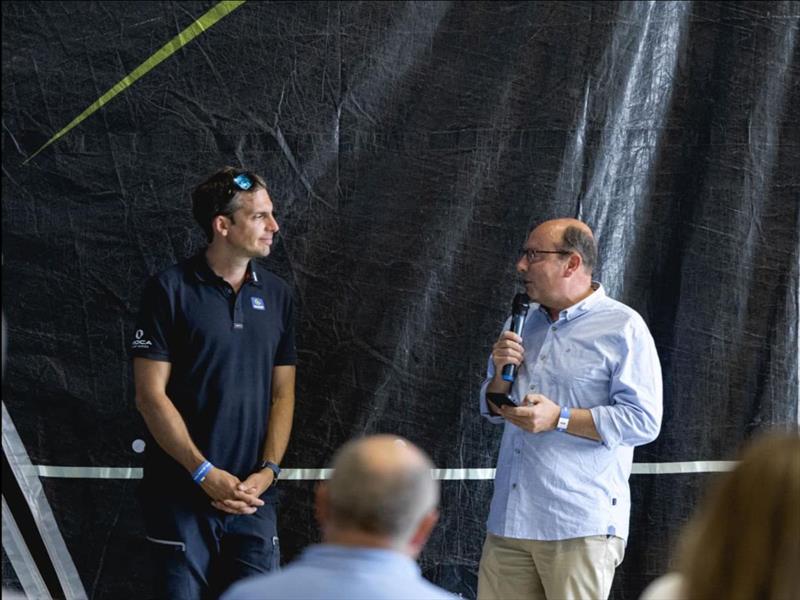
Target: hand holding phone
(499, 400)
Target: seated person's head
(744, 543)
(381, 494)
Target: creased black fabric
(408, 148)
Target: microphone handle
(510, 371)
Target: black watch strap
(268, 464)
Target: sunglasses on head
(243, 182)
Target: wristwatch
(268, 464)
(563, 419)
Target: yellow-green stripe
(207, 21)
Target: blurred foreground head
(381, 494)
(744, 543)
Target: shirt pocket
(590, 388)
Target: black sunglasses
(530, 253)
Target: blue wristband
(563, 419)
(200, 473)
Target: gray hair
(578, 239)
(378, 499)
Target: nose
(272, 224)
(522, 264)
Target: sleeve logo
(139, 343)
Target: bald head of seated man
(376, 513)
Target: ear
(573, 264)
(220, 224)
(321, 504)
(423, 532)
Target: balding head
(573, 235)
(381, 486)
(556, 264)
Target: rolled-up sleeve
(633, 415)
(484, 407)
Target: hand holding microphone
(507, 352)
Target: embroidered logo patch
(258, 303)
(139, 343)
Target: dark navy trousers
(199, 552)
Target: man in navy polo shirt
(214, 368)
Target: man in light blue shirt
(587, 390)
(376, 513)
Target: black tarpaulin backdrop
(408, 148)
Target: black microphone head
(520, 304)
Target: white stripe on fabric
(463, 474)
(88, 472)
(20, 557)
(180, 545)
(305, 474)
(672, 468)
(31, 488)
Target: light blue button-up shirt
(552, 485)
(331, 572)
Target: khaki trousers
(573, 569)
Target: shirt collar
(584, 306)
(252, 277)
(369, 558)
(203, 272)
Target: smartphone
(500, 399)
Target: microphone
(519, 309)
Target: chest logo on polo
(258, 303)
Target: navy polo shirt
(222, 347)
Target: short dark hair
(219, 195)
(577, 239)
